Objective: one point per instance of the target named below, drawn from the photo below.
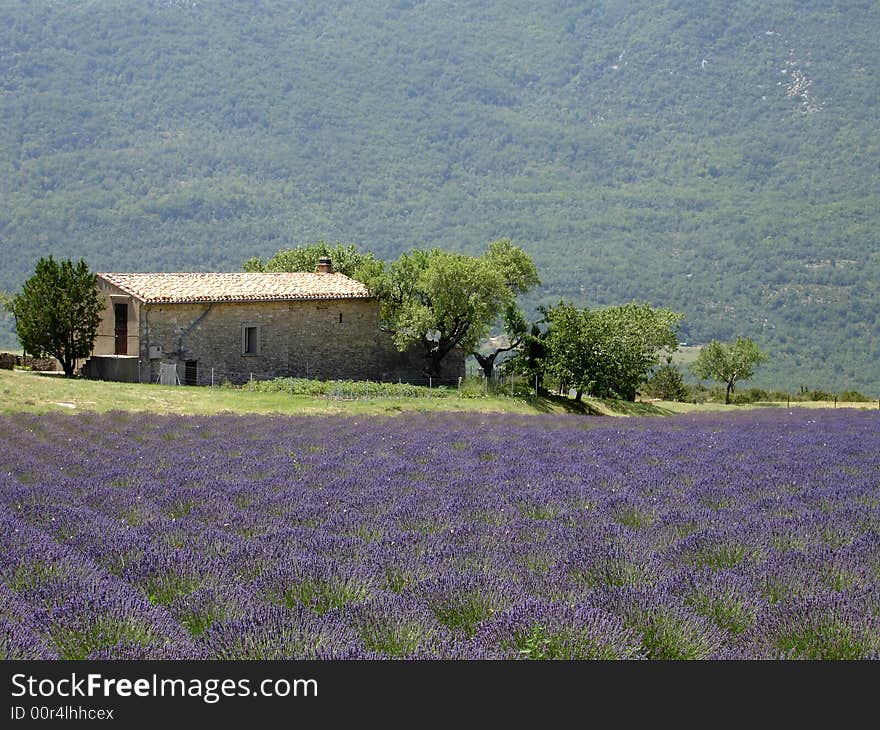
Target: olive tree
(728, 362)
(439, 300)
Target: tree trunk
(487, 363)
(435, 357)
(433, 368)
(727, 394)
(434, 354)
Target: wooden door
(120, 315)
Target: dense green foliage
(728, 362)
(607, 352)
(716, 158)
(58, 311)
(344, 389)
(437, 300)
(667, 383)
(363, 266)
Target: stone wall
(321, 339)
(10, 360)
(410, 365)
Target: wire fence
(469, 386)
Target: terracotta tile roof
(181, 288)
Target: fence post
(459, 386)
(252, 382)
(212, 377)
(429, 386)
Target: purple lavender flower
(276, 632)
(833, 625)
(739, 535)
(544, 630)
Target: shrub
(752, 395)
(346, 389)
(816, 394)
(667, 383)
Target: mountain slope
(721, 160)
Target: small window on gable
(250, 339)
(340, 318)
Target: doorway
(120, 329)
(191, 372)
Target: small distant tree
(728, 362)
(667, 383)
(58, 311)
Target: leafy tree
(667, 383)
(440, 300)
(346, 260)
(569, 347)
(58, 311)
(607, 352)
(728, 362)
(514, 264)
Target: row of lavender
(751, 535)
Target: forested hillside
(721, 159)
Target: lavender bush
(749, 535)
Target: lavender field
(743, 535)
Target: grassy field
(686, 354)
(24, 391)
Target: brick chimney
(325, 266)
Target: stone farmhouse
(216, 327)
